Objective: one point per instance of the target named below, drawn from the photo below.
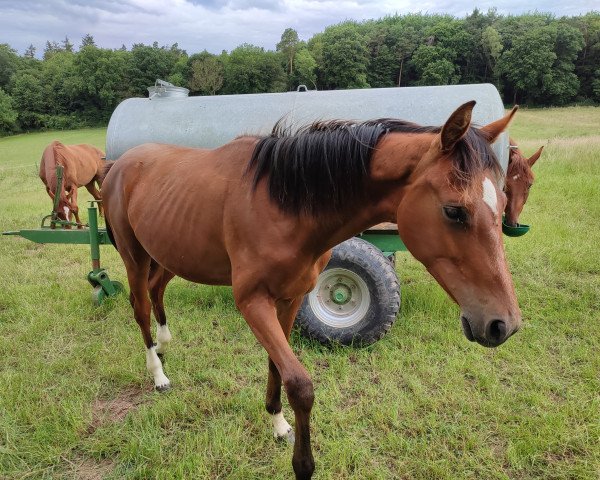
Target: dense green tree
(67, 46)
(9, 62)
(406, 42)
(207, 74)
(88, 41)
(586, 65)
(30, 51)
(345, 57)
(491, 43)
(59, 84)
(596, 86)
(181, 72)
(251, 69)
(28, 99)
(435, 65)
(528, 61)
(564, 84)
(381, 70)
(50, 49)
(8, 116)
(306, 69)
(539, 65)
(101, 84)
(149, 63)
(315, 48)
(288, 45)
(479, 59)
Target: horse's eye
(455, 214)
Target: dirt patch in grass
(90, 469)
(114, 410)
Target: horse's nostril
(497, 330)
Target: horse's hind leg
(137, 264)
(157, 283)
(94, 192)
(286, 313)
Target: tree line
(533, 59)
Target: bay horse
(83, 165)
(263, 213)
(519, 180)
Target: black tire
(356, 299)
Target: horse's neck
(52, 159)
(50, 164)
(392, 164)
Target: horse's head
(450, 218)
(64, 210)
(519, 179)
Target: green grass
(423, 403)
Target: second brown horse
(519, 180)
(262, 214)
(83, 165)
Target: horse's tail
(110, 234)
(107, 166)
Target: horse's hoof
(288, 437)
(163, 388)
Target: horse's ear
(531, 160)
(456, 126)
(492, 130)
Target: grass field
(423, 403)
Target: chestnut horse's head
(64, 209)
(450, 219)
(519, 179)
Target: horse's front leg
(286, 313)
(74, 207)
(260, 313)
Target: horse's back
(83, 162)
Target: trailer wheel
(356, 299)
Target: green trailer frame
(54, 230)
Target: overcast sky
(217, 25)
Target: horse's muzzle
(494, 333)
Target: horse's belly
(197, 258)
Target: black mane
(323, 166)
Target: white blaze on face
(490, 196)
(66, 209)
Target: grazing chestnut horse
(519, 179)
(83, 165)
(262, 214)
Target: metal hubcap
(340, 299)
(341, 294)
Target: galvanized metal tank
(169, 116)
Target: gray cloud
(216, 25)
